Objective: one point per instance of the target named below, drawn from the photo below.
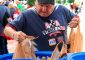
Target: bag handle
(58, 53)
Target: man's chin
(44, 15)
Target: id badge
(52, 42)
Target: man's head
(44, 7)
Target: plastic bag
(24, 50)
(59, 52)
(75, 40)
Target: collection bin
(39, 54)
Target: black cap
(46, 1)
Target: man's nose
(44, 8)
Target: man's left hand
(74, 22)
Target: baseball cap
(46, 1)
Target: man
(45, 20)
(4, 15)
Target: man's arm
(11, 32)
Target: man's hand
(19, 36)
(74, 22)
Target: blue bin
(38, 53)
(76, 56)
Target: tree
(70, 1)
(30, 2)
(58, 1)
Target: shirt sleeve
(68, 14)
(18, 22)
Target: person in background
(75, 7)
(12, 9)
(4, 15)
(46, 21)
(20, 6)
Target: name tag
(52, 42)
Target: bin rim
(77, 54)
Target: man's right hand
(19, 36)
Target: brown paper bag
(24, 50)
(75, 40)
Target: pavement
(11, 45)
